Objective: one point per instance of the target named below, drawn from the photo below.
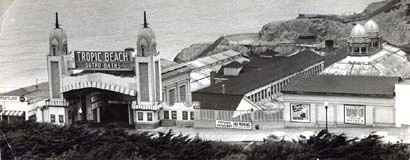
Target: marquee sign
(300, 112)
(355, 114)
(104, 60)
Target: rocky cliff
(394, 25)
(393, 21)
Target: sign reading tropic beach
(103, 60)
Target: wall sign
(104, 60)
(300, 112)
(233, 124)
(355, 114)
(13, 98)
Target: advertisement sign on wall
(355, 114)
(233, 124)
(103, 60)
(300, 112)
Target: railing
(258, 115)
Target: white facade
(402, 105)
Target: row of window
(53, 118)
(172, 97)
(274, 89)
(174, 115)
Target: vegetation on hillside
(27, 140)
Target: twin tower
(147, 64)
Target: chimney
(223, 88)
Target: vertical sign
(300, 112)
(355, 114)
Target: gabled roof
(261, 71)
(32, 93)
(343, 85)
(233, 64)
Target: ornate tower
(373, 34)
(358, 42)
(56, 63)
(147, 66)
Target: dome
(371, 27)
(146, 43)
(358, 31)
(58, 40)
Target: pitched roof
(217, 101)
(233, 64)
(32, 93)
(262, 71)
(343, 85)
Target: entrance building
(124, 86)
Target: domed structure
(146, 43)
(58, 40)
(371, 27)
(373, 34)
(358, 31)
(358, 42)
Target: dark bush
(29, 140)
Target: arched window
(65, 49)
(363, 50)
(54, 48)
(143, 51)
(356, 50)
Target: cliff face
(394, 25)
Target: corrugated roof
(261, 71)
(343, 85)
(387, 62)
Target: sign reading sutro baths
(103, 60)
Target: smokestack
(223, 89)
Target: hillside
(393, 23)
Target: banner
(103, 60)
(300, 112)
(355, 114)
(233, 124)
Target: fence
(253, 116)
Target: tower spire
(57, 25)
(145, 20)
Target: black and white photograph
(205, 79)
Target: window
(363, 50)
(143, 51)
(171, 94)
(166, 114)
(54, 50)
(182, 93)
(174, 114)
(61, 118)
(65, 48)
(375, 44)
(52, 118)
(69, 114)
(159, 115)
(184, 115)
(140, 116)
(149, 116)
(192, 115)
(356, 50)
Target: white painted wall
(402, 103)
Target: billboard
(300, 112)
(104, 60)
(355, 114)
(233, 124)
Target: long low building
(350, 101)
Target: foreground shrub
(39, 141)
(29, 140)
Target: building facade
(127, 87)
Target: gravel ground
(258, 135)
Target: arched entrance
(98, 106)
